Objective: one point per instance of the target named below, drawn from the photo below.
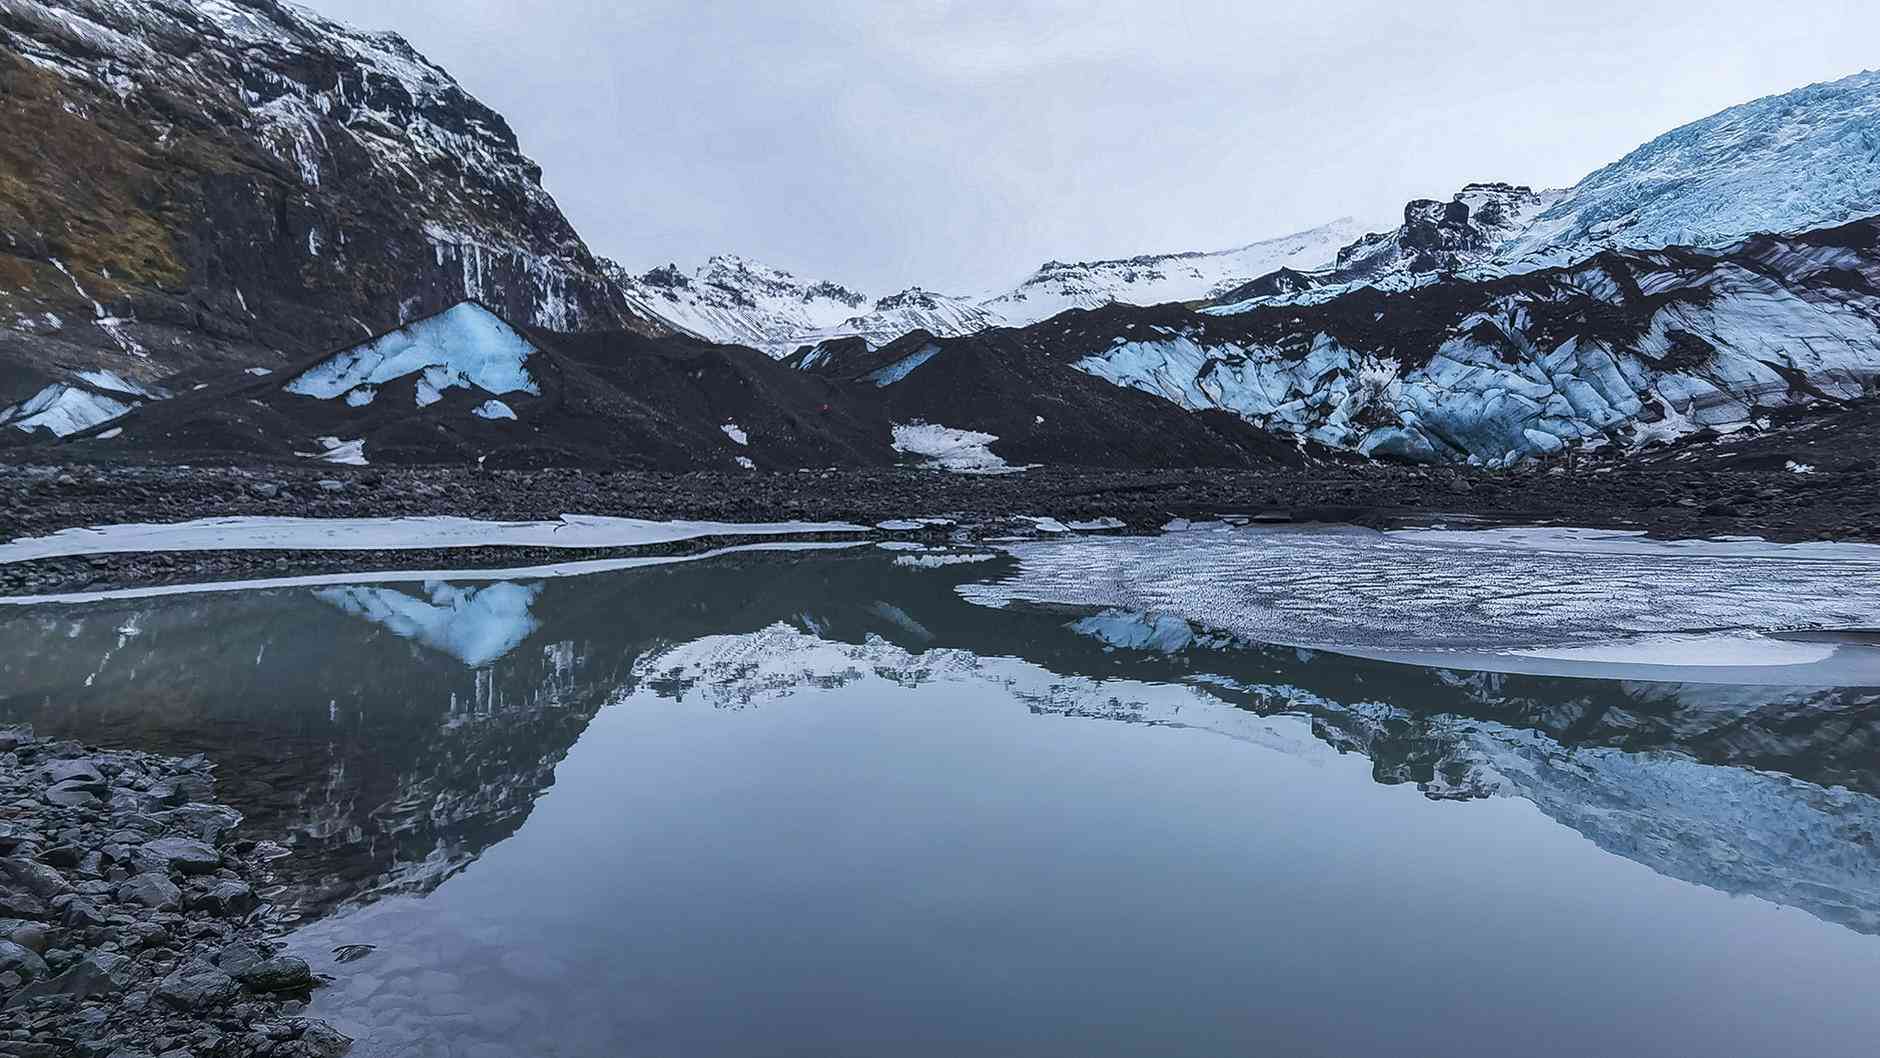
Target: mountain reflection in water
(393, 733)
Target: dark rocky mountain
(192, 187)
(463, 386)
(1620, 352)
(1442, 236)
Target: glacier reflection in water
(826, 804)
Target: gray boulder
(42, 880)
(98, 974)
(282, 973)
(183, 854)
(207, 821)
(238, 958)
(223, 897)
(151, 890)
(82, 769)
(21, 960)
(197, 984)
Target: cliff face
(188, 186)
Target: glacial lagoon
(940, 801)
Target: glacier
(1626, 348)
(63, 410)
(466, 345)
(1802, 159)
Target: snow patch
(493, 409)
(736, 433)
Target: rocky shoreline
(132, 923)
(1693, 492)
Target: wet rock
(75, 793)
(166, 793)
(207, 821)
(154, 891)
(30, 935)
(183, 854)
(320, 1040)
(21, 960)
(17, 903)
(98, 974)
(82, 768)
(282, 973)
(196, 985)
(42, 880)
(81, 913)
(238, 958)
(225, 897)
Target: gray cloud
(957, 145)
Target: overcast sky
(957, 145)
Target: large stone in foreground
(98, 974)
(183, 854)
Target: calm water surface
(820, 804)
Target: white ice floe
(112, 434)
(466, 345)
(372, 534)
(961, 451)
(1097, 525)
(939, 560)
(1559, 601)
(1794, 467)
(746, 463)
(493, 409)
(259, 372)
(736, 433)
(334, 450)
(63, 410)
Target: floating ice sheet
(373, 534)
(1566, 600)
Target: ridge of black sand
(1665, 495)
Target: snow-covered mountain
(200, 186)
(1803, 159)
(731, 299)
(1157, 278)
(737, 301)
(734, 300)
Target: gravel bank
(1834, 499)
(131, 921)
